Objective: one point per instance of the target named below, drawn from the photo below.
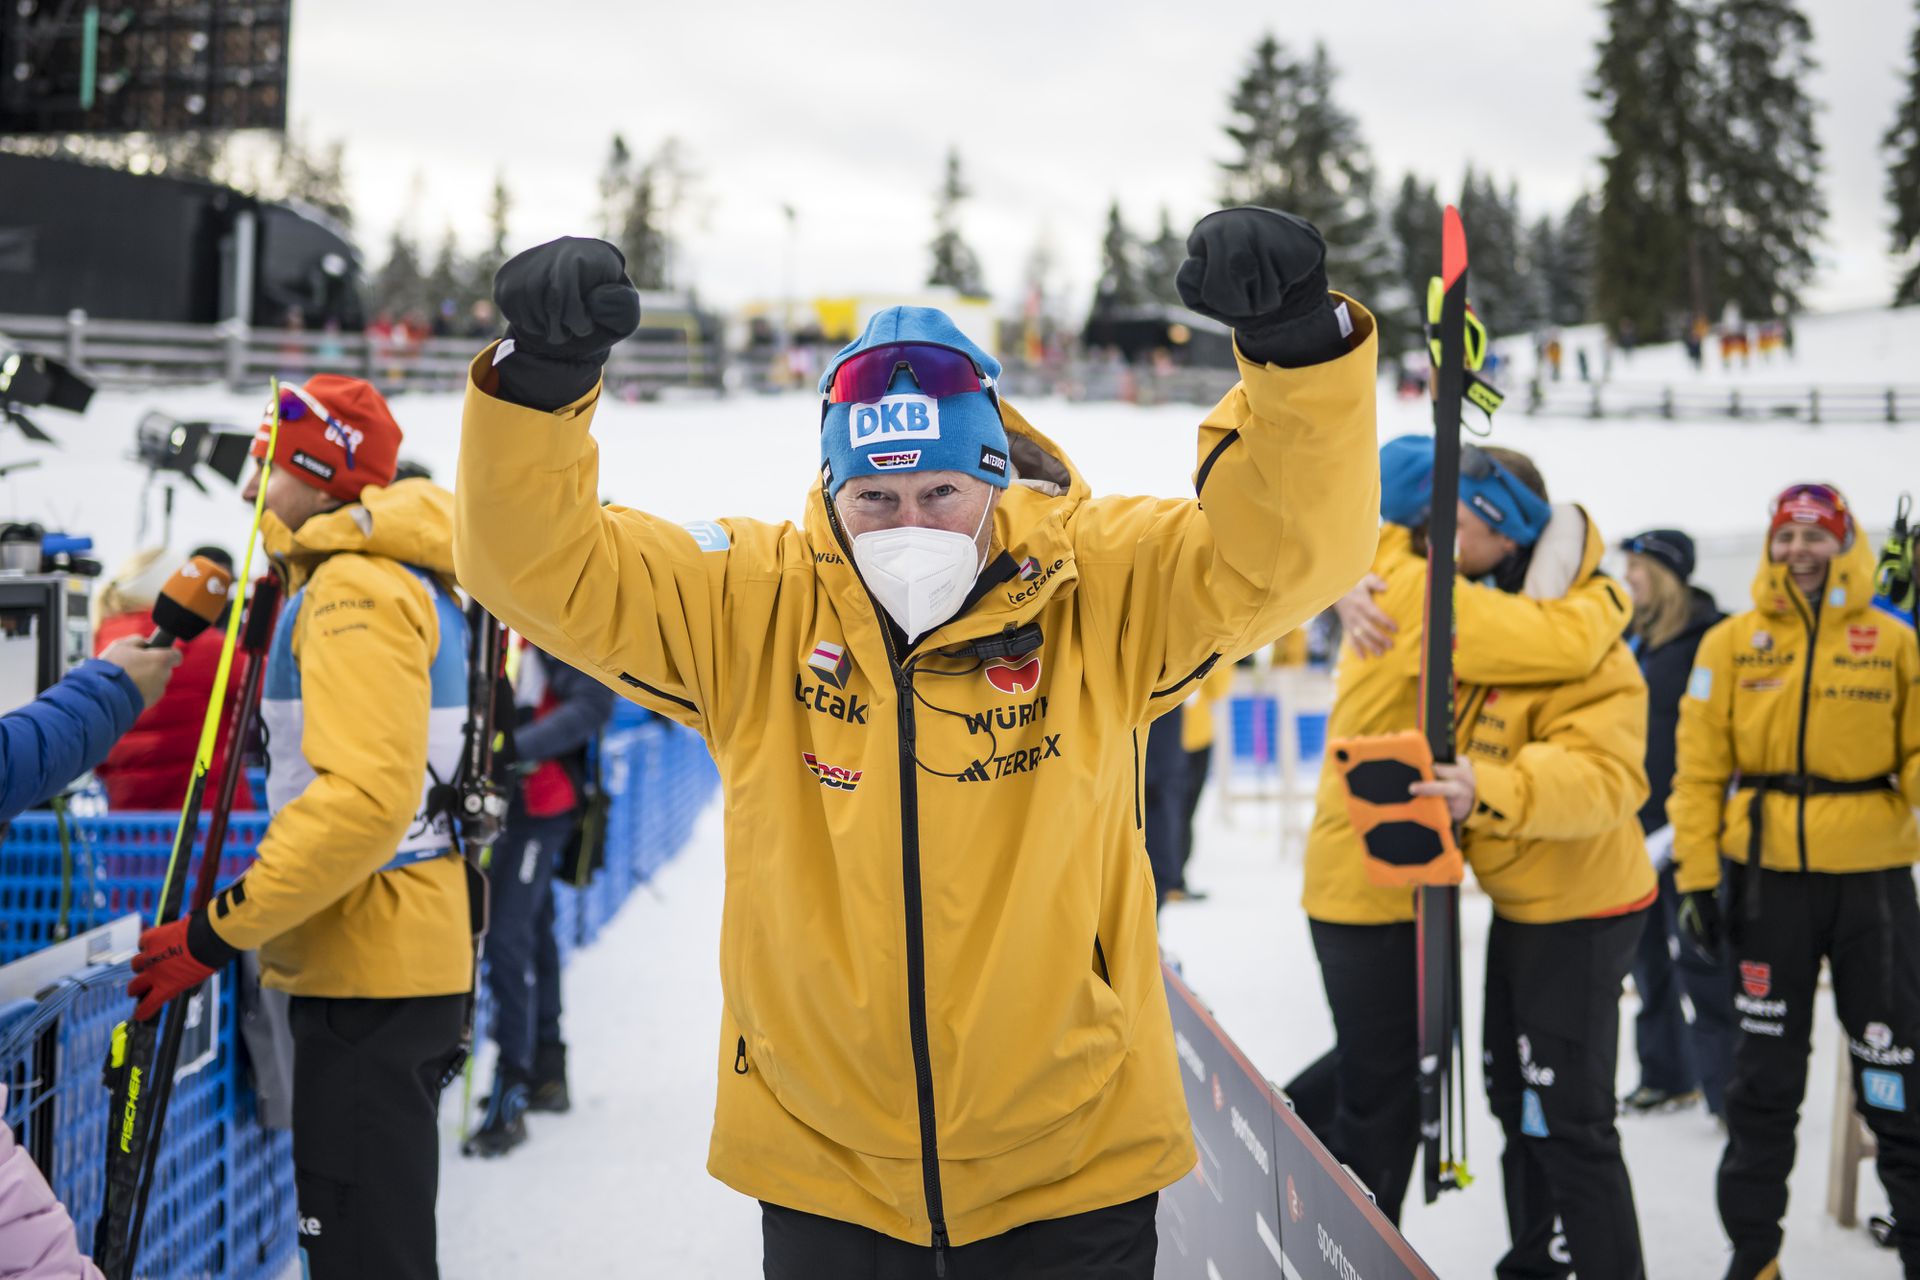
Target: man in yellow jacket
(1799, 766)
(357, 901)
(1549, 783)
(1360, 1097)
(944, 1016)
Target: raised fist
(566, 302)
(1251, 266)
(568, 298)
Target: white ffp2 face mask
(919, 576)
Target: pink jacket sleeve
(36, 1235)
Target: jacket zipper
(916, 927)
(1800, 747)
(917, 970)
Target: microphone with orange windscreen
(193, 600)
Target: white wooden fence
(139, 353)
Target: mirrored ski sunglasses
(1810, 495)
(867, 376)
(296, 404)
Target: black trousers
(1199, 764)
(1867, 926)
(366, 1141)
(1677, 1054)
(1552, 1041)
(523, 960)
(1167, 802)
(1362, 1100)
(1117, 1243)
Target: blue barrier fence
(222, 1203)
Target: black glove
(1699, 919)
(566, 303)
(1264, 273)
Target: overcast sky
(845, 111)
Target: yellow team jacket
(933, 830)
(1561, 770)
(1782, 688)
(1500, 639)
(326, 920)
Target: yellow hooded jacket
(1501, 639)
(1785, 689)
(941, 975)
(1561, 774)
(363, 634)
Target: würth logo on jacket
(1756, 978)
(1861, 640)
(1012, 676)
(831, 775)
(831, 662)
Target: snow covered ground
(619, 1186)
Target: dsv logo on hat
(894, 419)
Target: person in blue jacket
(70, 727)
(560, 713)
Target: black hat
(1670, 547)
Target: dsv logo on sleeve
(894, 420)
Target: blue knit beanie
(907, 431)
(1497, 497)
(1406, 480)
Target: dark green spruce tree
(954, 263)
(1903, 177)
(1160, 261)
(1296, 148)
(1569, 276)
(1760, 159)
(1500, 292)
(1650, 264)
(1121, 283)
(1414, 224)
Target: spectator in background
(562, 713)
(150, 767)
(1678, 1062)
(36, 1232)
(69, 728)
(482, 320)
(1179, 746)
(1196, 739)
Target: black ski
(1439, 907)
(143, 1055)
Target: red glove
(175, 957)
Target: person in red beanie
(358, 899)
(1794, 841)
(151, 766)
